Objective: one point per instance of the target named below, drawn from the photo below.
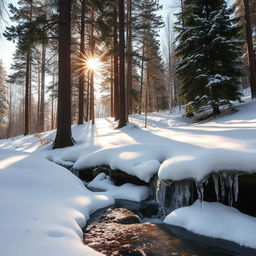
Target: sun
(93, 63)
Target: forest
(128, 127)
(77, 60)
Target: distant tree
(64, 136)
(210, 55)
(3, 95)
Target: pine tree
(210, 55)
(64, 135)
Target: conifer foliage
(209, 53)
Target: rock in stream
(120, 232)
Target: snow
(43, 207)
(126, 191)
(216, 220)
(173, 146)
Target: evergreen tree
(210, 55)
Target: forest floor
(44, 205)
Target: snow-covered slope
(180, 148)
(44, 206)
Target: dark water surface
(112, 231)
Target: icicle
(229, 183)
(160, 196)
(200, 190)
(236, 187)
(153, 187)
(216, 185)
(222, 187)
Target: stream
(136, 229)
(122, 230)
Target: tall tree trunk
(116, 71)
(41, 116)
(52, 114)
(147, 99)
(87, 97)
(38, 92)
(250, 48)
(142, 72)
(28, 84)
(64, 136)
(129, 57)
(92, 112)
(81, 75)
(122, 92)
(27, 94)
(111, 88)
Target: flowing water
(120, 237)
(125, 235)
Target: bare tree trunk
(116, 71)
(87, 97)
(92, 114)
(129, 57)
(38, 92)
(81, 75)
(250, 48)
(27, 82)
(41, 116)
(147, 98)
(111, 89)
(122, 92)
(142, 73)
(64, 136)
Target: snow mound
(199, 165)
(127, 191)
(216, 220)
(141, 160)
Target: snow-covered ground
(216, 220)
(44, 205)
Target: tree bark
(92, 112)
(116, 71)
(251, 54)
(142, 73)
(64, 136)
(111, 89)
(81, 75)
(122, 92)
(41, 115)
(129, 57)
(27, 94)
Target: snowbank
(216, 220)
(141, 160)
(43, 207)
(126, 191)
